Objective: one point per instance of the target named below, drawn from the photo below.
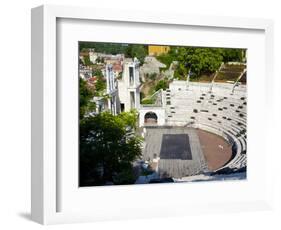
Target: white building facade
(129, 86)
(111, 90)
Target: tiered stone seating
(221, 111)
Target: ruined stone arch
(150, 118)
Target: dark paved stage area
(178, 149)
(175, 146)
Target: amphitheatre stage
(177, 149)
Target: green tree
(97, 72)
(87, 61)
(168, 58)
(85, 99)
(129, 118)
(138, 51)
(108, 147)
(232, 55)
(103, 47)
(162, 84)
(200, 60)
(100, 86)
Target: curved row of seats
(221, 111)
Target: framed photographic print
(137, 114)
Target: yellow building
(157, 50)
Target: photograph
(156, 113)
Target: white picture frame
(46, 182)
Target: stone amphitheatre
(196, 130)
(193, 129)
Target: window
(132, 99)
(131, 75)
(122, 107)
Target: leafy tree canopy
(232, 55)
(168, 58)
(200, 60)
(87, 61)
(100, 86)
(138, 51)
(86, 94)
(108, 148)
(162, 84)
(101, 47)
(97, 72)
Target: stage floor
(175, 146)
(178, 148)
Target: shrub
(147, 101)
